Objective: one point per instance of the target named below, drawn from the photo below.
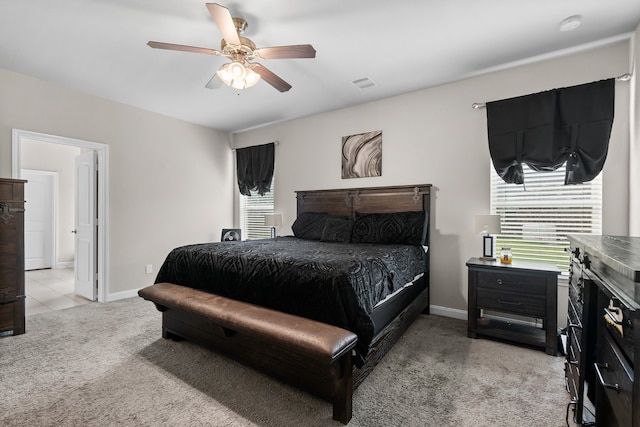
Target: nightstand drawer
(505, 281)
(533, 305)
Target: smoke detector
(571, 23)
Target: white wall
(434, 136)
(170, 181)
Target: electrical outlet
(148, 269)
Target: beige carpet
(107, 365)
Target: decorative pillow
(401, 228)
(337, 230)
(309, 225)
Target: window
(252, 211)
(537, 216)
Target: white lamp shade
(487, 224)
(273, 220)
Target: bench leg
(170, 335)
(342, 405)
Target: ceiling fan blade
(183, 48)
(270, 77)
(214, 82)
(223, 20)
(292, 51)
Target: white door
(39, 218)
(85, 282)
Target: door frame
(102, 155)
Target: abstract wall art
(362, 155)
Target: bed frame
(315, 357)
(379, 200)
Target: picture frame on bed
(231, 235)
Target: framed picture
(362, 155)
(231, 235)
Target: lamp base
(487, 248)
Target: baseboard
(122, 295)
(66, 264)
(448, 312)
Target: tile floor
(50, 289)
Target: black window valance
(545, 129)
(255, 168)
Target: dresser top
(620, 253)
(515, 265)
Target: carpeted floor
(107, 365)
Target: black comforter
(335, 283)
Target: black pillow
(309, 225)
(400, 228)
(337, 230)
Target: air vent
(364, 83)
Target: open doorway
(96, 270)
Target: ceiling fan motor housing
(240, 24)
(245, 50)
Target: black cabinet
(12, 293)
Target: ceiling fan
(241, 72)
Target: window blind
(537, 216)
(252, 211)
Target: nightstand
(522, 288)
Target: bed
(351, 279)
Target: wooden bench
(311, 355)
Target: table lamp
(487, 225)
(274, 221)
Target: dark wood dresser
(12, 294)
(603, 330)
(520, 288)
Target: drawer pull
(501, 282)
(501, 301)
(5, 216)
(597, 365)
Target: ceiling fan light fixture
(237, 71)
(236, 75)
(252, 77)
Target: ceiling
(99, 47)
